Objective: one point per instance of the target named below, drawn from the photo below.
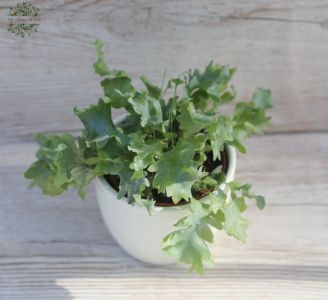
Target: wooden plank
(281, 45)
(82, 279)
(58, 248)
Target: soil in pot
(164, 201)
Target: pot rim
(232, 162)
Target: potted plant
(164, 170)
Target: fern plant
(162, 150)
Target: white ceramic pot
(137, 232)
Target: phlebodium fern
(168, 149)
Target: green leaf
(146, 152)
(148, 108)
(175, 82)
(131, 124)
(81, 176)
(229, 95)
(97, 119)
(216, 220)
(211, 84)
(234, 224)
(100, 67)
(260, 202)
(58, 157)
(240, 133)
(42, 176)
(118, 90)
(140, 145)
(251, 117)
(153, 90)
(205, 233)
(148, 204)
(248, 118)
(245, 192)
(188, 242)
(105, 167)
(220, 133)
(191, 121)
(176, 171)
(209, 181)
(129, 186)
(262, 98)
(216, 200)
(240, 203)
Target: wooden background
(58, 248)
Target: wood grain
(281, 45)
(58, 248)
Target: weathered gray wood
(58, 248)
(282, 45)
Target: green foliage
(176, 170)
(161, 147)
(60, 164)
(189, 242)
